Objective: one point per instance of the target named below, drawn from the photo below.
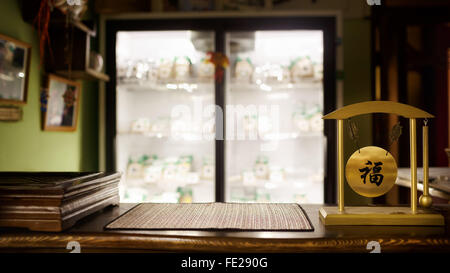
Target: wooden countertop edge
(97, 241)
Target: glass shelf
(236, 86)
(189, 87)
(165, 137)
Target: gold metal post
(413, 155)
(341, 165)
(425, 200)
(425, 159)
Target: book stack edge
(54, 201)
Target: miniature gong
(372, 171)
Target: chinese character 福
(373, 170)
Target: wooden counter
(90, 235)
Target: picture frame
(60, 103)
(15, 58)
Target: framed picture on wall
(14, 70)
(60, 102)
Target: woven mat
(214, 216)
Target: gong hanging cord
(394, 135)
(353, 133)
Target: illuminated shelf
(177, 87)
(165, 137)
(281, 137)
(276, 86)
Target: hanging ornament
(220, 62)
(44, 100)
(353, 132)
(395, 134)
(69, 96)
(41, 23)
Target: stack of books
(54, 201)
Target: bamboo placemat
(214, 216)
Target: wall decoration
(10, 113)
(220, 62)
(60, 104)
(14, 70)
(73, 10)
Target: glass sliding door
(275, 143)
(165, 134)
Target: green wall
(357, 88)
(23, 145)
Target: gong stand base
(379, 216)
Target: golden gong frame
(383, 215)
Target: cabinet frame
(220, 26)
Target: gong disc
(371, 171)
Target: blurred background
(307, 56)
